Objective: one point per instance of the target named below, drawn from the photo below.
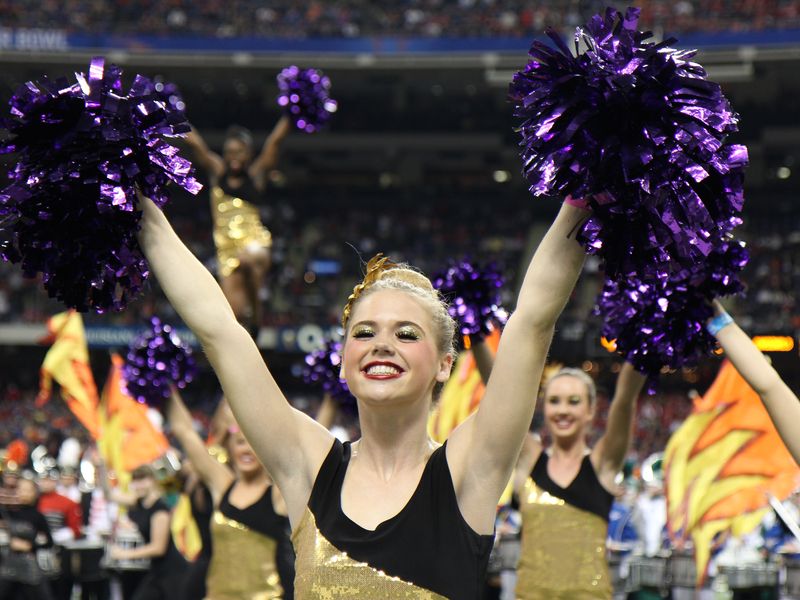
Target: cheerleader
(238, 183)
(392, 514)
(252, 557)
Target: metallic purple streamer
(322, 369)
(156, 360)
(473, 294)
(83, 149)
(661, 322)
(638, 122)
(305, 96)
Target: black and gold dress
(425, 551)
(564, 530)
(237, 224)
(253, 557)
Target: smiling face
(390, 355)
(242, 456)
(568, 412)
(236, 155)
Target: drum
(82, 560)
(683, 569)
(647, 572)
(128, 540)
(791, 586)
(749, 577)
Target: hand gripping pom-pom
(636, 128)
(83, 149)
(156, 360)
(473, 295)
(305, 96)
(661, 323)
(322, 370)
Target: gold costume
(243, 564)
(563, 554)
(237, 227)
(326, 573)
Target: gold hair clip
(375, 267)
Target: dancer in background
(238, 183)
(391, 511)
(565, 492)
(252, 554)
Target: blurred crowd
(317, 258)
(359, 18)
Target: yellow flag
(67, 362)
(185, 533)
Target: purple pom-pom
(322, 369)
(83, 149)
(473, 294)
(304, 95)
(156, 360)
(637, 129)
(661, 322)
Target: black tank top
(261, 517)
(141, 515)
(585, 492)
(427, 543)
(247, 191)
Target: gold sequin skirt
(563, 554)
(237, 228)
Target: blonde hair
(582, 376)
(382, 274)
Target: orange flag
(67, 362)
(721, 464)
(127, 438)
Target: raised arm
(609, 453)
(215, 475)
(781, 403)
(268, 157)
(483, 450)
(208, 160)
(291, 445)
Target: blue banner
(60, 40)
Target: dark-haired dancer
(238, 182)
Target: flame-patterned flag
(67, 362)
(721, 464)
